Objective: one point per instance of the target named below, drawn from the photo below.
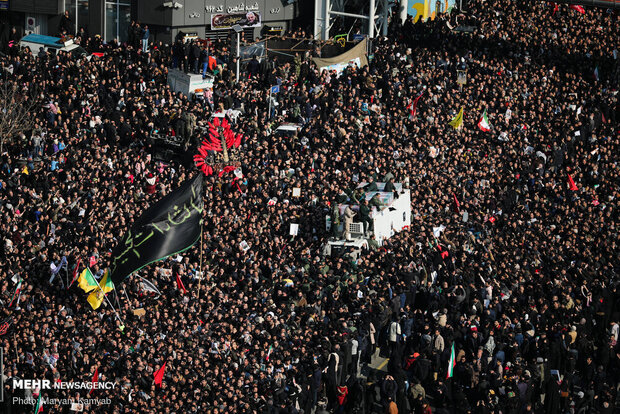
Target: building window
(70, 6)
(117, 20)
(82, 15)
(78, 11)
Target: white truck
(189, 84)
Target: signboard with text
(4, 5)
(237, 8)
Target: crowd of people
(509, 269)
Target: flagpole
(105, 296)
(114, 309)
(126, 296)
(116, 296)
(201, 270)
(16, 352)
(67, 272)
(269, 114)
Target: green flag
(87, 281)
(452, 363)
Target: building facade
(109, 18)
(195, 16)
(112, 18)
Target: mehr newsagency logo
(33, 384)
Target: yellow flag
(86, 281)
(457, 121)
(105, 283)
(95, 298)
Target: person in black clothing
(178, 54)
(65, 26)
(137, 36)
(131, 33)
(253, 67)
(194, 56)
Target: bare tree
(18, 110)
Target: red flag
(555, 6)
(577, 8)
(180, 284)
(413, 107)
(76, 272)
(159, 375)
(95, 380)
(225, 170)
(457, 204)
(571, 184)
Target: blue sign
(4, 5)
(275, 89)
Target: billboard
(425, 9)
(225, 21)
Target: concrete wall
(151, 12)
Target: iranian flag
(452, 363)
(17, 293)
(76, 272)
(39, 407)
(484, 123)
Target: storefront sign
(215, 9)
(241, 7)
(225, 21)
(4, 5)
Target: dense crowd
(526, 295)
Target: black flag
(170, 226)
